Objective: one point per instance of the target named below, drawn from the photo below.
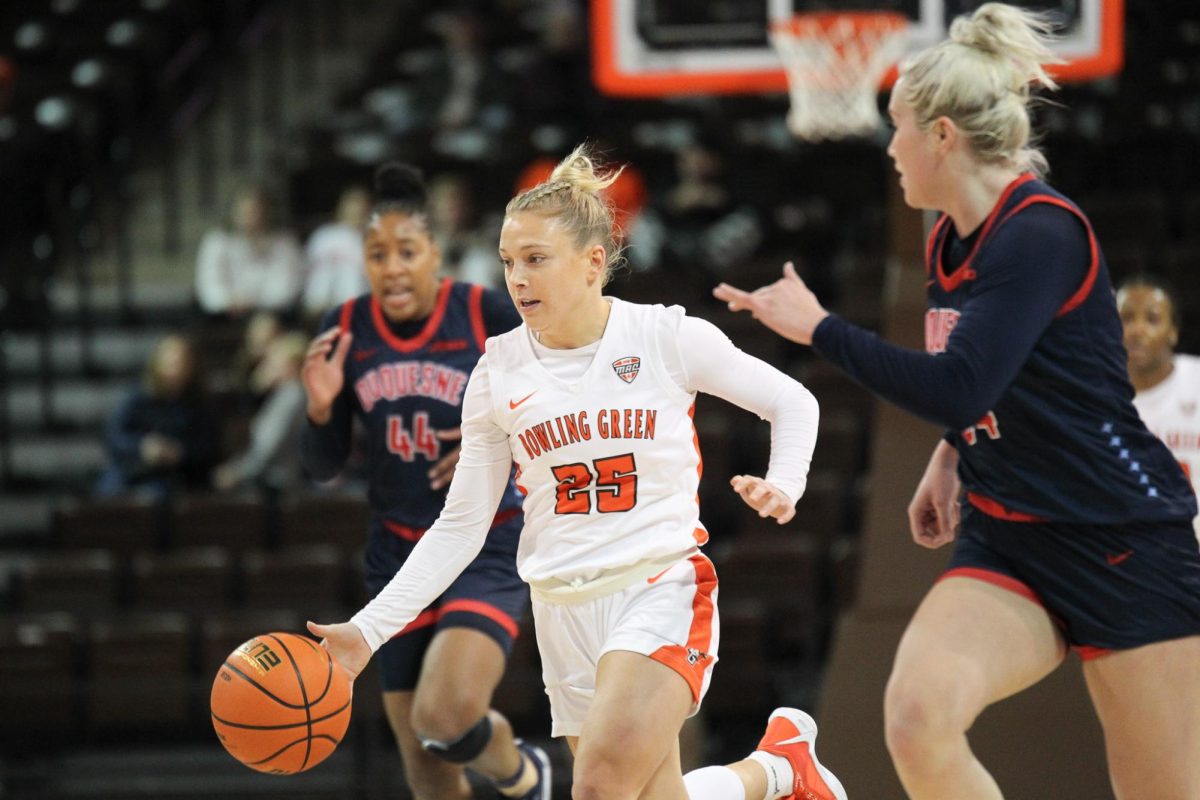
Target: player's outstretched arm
(786, 306)
(345, 643)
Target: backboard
(659, 48)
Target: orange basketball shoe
(792, 734)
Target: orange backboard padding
(611, 80)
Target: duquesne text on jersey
(609, 423)
(411, 379)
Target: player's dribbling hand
(763, 498)
(346, 644)
(322, 375)
(441, 472)
(933, 514)
(786, 306)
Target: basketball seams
(248, 727)
(303, 695)
(328, 672)
(250, 680)
(272, 724)
(290, 745)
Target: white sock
(714, 783)
(779, 774)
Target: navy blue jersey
(1026, 367)
(406, 382)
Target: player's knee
(918, 719)
(445, 718)
(585, 789)
(598, 775)
(461, 747)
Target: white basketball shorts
(670, 617)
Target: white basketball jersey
(609, 462)
(1171, 411)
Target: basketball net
(835, 63)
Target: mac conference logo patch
(627, 368)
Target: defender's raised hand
(786, 306)
(322, 374)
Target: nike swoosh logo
(793, 740)
(659, 575)
(512, 405)
(363, 355)
(1113, 560)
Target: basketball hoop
(835, 63)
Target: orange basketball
(280, 704)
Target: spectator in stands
(698, 222)
(462, 87)
(263, 328)
(270, 461)
(161, 435)
(1167, 383)
(250, 265)
(555, 84)
(469, 255)
(335, 263)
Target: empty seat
(368, 697)
(340, 520)
(843, 572)
(83, 581)
(138, 675)
(39, 683)
(841, 444)
(1127, 259)
(1119, 218)
(356, 568)
(308, 578)
(1180, 263)
(195, 579)
(741, 685)
(823, 509)
(862, 304)
(235, 523)
(835, 390)
(781, 570)
(751, 336)
(122, 525)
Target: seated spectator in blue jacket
(161, 436)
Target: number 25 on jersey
(612, 480)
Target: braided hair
(572, 194)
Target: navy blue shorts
(488, 597)
(1107, 587)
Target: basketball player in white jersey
(592, 398)
(1167, 383)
